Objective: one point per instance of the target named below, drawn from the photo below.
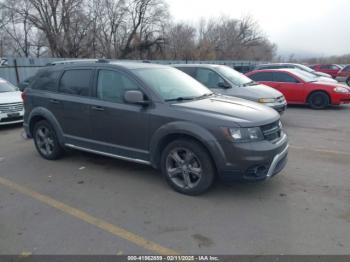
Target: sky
(305, 28)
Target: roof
(196, 65)
(101, 62)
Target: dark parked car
(227, 81)
(25, 83)
(153, 115)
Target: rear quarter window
(46, 80)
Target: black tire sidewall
(58, 150)
(325, 99)
(204, 158)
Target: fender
(189, 129)
(44, 113)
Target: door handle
(54, 101)
(98, 108)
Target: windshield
(305, 76)
(172, 84)
(6, 86)
(305, 68)
(233, 76)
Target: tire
(187, 167)
(46, 142)
(348, 81)
(319, 100)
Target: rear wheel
(319, 100)
(46, 141)
(187, 167)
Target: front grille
(272, 132)
(11, 108)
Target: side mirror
(135, 97)
(224, 85)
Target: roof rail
(63, 62)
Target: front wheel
(319, 100)
(187, 167)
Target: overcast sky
(304, 27)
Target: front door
(117, 127)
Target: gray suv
(153, 115)
(227, 81)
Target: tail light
(24, 96)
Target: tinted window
(188, 70)
(285, 78)
(112, 85)
(208, 78)
(46, 81)
(262, 76)
(76, 82)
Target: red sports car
(331, 69)
(300, 87)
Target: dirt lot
(87, 204)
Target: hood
(255, 92)
(326, 79)
(10, 97)
(224, 108)
(332, 84)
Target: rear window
(47, 80)
(262, 76)
(76, 82)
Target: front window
(172, 84)
(306, 68)
(7, 87)
(235, 77)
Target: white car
(11, 104)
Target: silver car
(227, 81)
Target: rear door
(75, 88)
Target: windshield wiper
(205, 95)
(181, 98)
(251, 83)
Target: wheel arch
(319, 91)
(39, 114)
(183, 130)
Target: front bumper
(340, 98)
(11, 118)
(253, 161)
(279, 107)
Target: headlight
(244, 134)
(266, 100)
(341, 90)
